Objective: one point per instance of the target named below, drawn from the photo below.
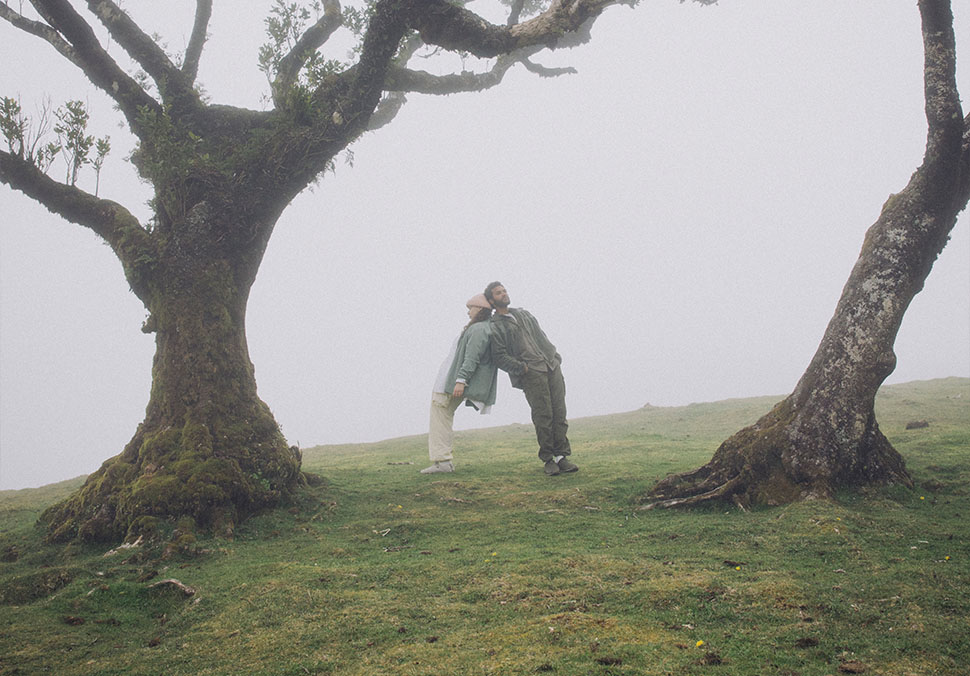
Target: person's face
(500, 297)
(473, 311)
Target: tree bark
(208, 448)
(824, 435)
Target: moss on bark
(209, 448)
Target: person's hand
(459, 390)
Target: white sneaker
(445, 466)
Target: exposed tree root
(775, 461)
(215, 481)
(719, 493)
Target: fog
(680, 215)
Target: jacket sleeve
(500, 351)
(476, 349)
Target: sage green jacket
(473, 364)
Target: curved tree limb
(418, 81)
(356, 95)
(543, 71)
(112, 222)
(193, 53)
(386, 110)
(97, 66)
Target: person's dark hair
(489, 288)
(483, 315)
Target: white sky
(680, 216)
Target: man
(520, 348)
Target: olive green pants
(546, 393)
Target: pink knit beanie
(478, 300)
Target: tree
(824, 435)
(208, 447)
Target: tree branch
(365, 80)
(543, 71)
(40, 30)
(419, 81)
(97, 66)
(109, 220)
(173, 85)
(311, 40)
(455, 28)
(387, 110)
(515, 12)
(944, 116)
(193, 53)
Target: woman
(468, 375)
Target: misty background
(680, 215)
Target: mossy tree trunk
(208, 447)
(824, 435)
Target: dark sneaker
(552, 469)
(566, 466)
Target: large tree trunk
(824, 435)
(208, 447)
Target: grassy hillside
(498, 569)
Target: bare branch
(387, 110)
(515, 12)
(109, 220)
(543, 71)
(409, 47)
(91, 58)
(203, 12)
(453, 27)
(40, 30)
(393, 102)
(418, 81)
(311, 40)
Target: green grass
(498, 569)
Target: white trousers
(440, 429)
